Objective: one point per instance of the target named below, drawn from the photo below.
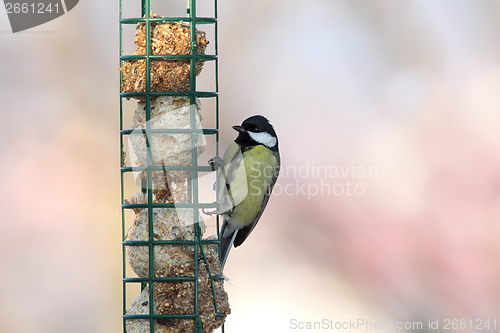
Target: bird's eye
(255, 129)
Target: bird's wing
(230, 235)
(243, 233)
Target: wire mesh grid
(147, 183)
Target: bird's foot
(217, 211)
(217, 162)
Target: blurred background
(387, 207)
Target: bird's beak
(239, 129)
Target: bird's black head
(257, 130)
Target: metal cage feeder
(178, 271)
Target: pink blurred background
(406, 89)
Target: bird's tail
(226, 242)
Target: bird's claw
(217, 162)
(218, 211)
(210, 213)
(213, 212)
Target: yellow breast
(260, 169)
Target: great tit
(248, 172)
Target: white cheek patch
(263, 138)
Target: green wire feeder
(179, 271)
